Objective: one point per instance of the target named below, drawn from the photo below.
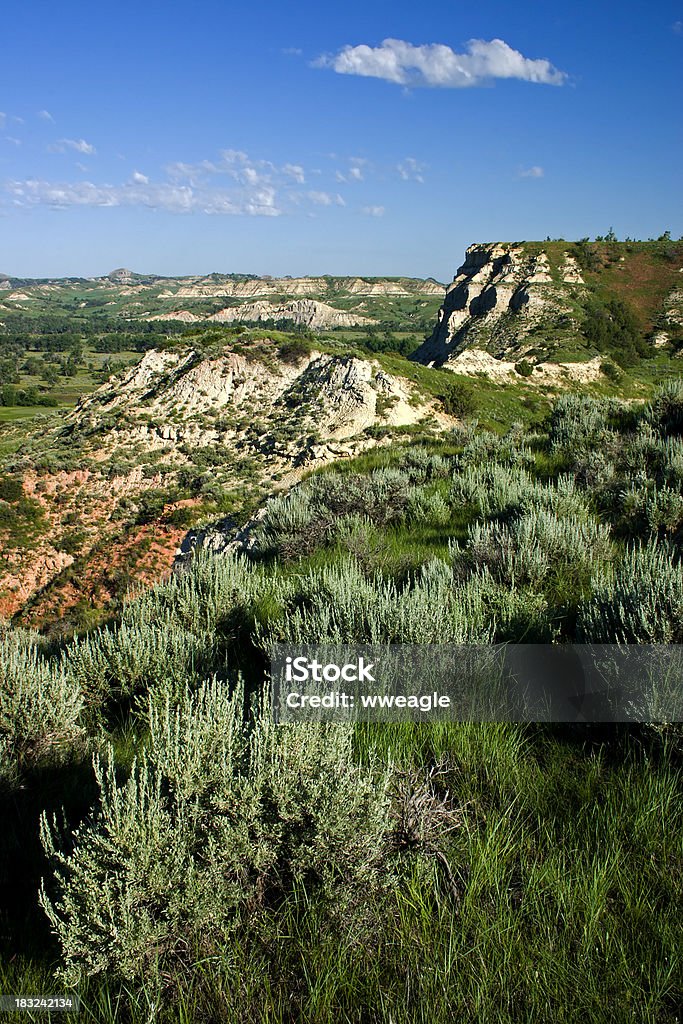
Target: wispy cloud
(296, 172)
(292, 51)
(45, 115)
(77, 145)
(231, 163)
(326, 199)
(233, 182)
(531, 172)
(169, 197)
(373, 211)
(411, 170)
(3, 118)
(437, 65)
(677, 27)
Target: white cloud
(296, 172)
(170, 197)
(77, 145)
(373, 211)
(3, 118)
(355, 174)
(437, 65)
(326, 199)
(46, 116)
(11, 138)
(233, 163)
(338, 176)
(411, 170)
(292, 51)
(231, 183)
(532, 172)
(677, 27)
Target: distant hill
(531, 304)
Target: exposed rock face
(163, 398)
(498, 295)
(203, 288)
(398, 288)
(182, 315)
(672, 320)
(121, 276)
(475, 361)
(254, 419)
(303, 312)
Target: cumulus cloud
(139, 179)
(77, 145)
(373, 211)
(232, 163)
(438, 66)
(411, 170)
(355, 174)
(532, 172)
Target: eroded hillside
(558, 309)
(102, 500)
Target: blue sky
(368, 138)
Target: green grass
(565, 875)
(9, 414)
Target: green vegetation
(218, 867)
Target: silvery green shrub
(216, 822)
(665, 411)
(651, 509)
(427, 506)
(340, 604)
(672, 462)
(127, 659)
(40, 705)
(579, 425)
(492, 490)
(203, 598)
(485, 446)
(421, 464)
(534, 548)
(641, 602)
(298, 522)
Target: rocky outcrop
(121, 276)
(184, 316)
(402, 288)
(474, 362)
(498, 296)
(166, 396)
(302, 312)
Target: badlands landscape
(193, 470)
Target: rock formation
(499, 294)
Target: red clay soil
(41, 583)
